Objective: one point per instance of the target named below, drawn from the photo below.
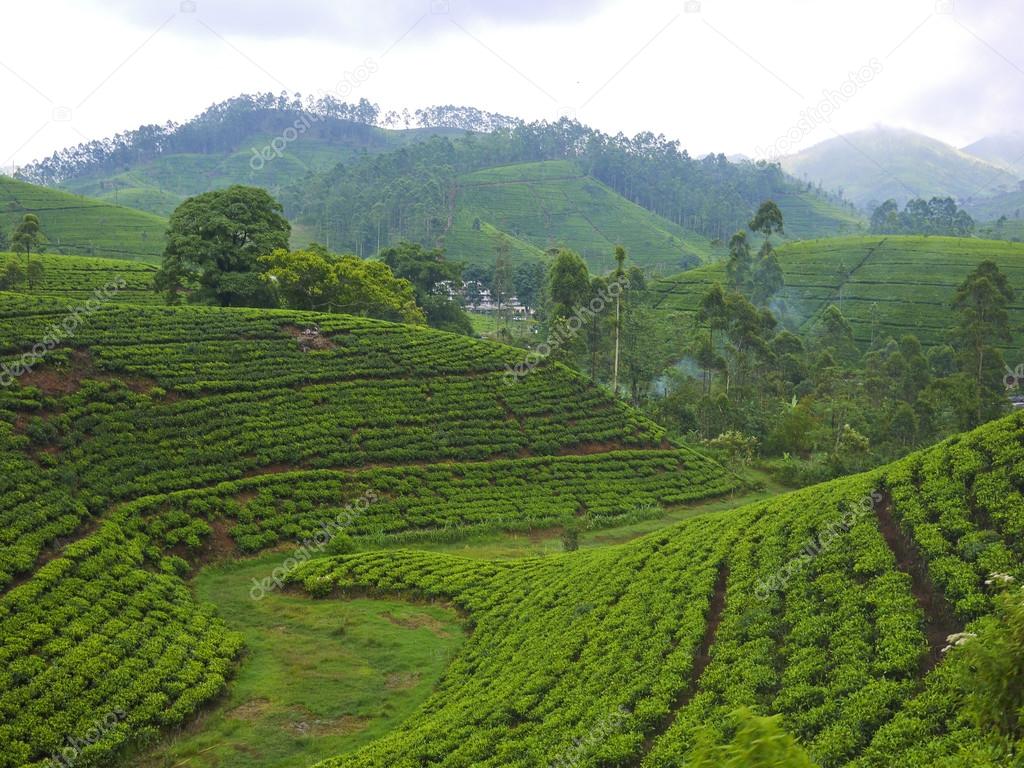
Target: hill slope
(553, 204)
(82, 226)
(264, 433)
(1005, 150)
(808, 606)
(875, 165)
(348, 180)
(884, 285)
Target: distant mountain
(881, 163)
(1005, 150)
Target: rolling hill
(83, 226)
(875, 165)
(158, 184)
(884, 285)
(160, 440)
(471, 181)
(236, 412)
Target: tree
(214, 244)
(35, 273)
(982, 319)
(711, 312)
(768, 220)
(739, 268)
(28, 235)
(528, 281)
(436, 282)
(315, 279)
(568, 283)
(620, 259)
(766, 278)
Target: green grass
(487, 324)
(83, 226)
(885, 285)
(319, 678)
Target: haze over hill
(879, 164)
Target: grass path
(319, 678)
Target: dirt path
(940, 621)
(700, 662)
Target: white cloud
(731, 77)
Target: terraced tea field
(150, 453)
(885, 286)
(83, 226)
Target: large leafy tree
(315, 279)
(214, 244)
(436, 281)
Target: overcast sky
(736, 76)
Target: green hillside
(144, 409)
(83, 226)
(652, 645)
(884, 285)
(158, 185)
(553, 204)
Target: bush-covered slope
(884, 285)
(829, 606)
(150, 435)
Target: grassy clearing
(320, 678)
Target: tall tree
(528, 281)
(982, 319)
(739, 268)
(767, 274)
(214, 244)
(28, 236)
(620, 259)
(711, 313)
(568, 283)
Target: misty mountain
(888, 163)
